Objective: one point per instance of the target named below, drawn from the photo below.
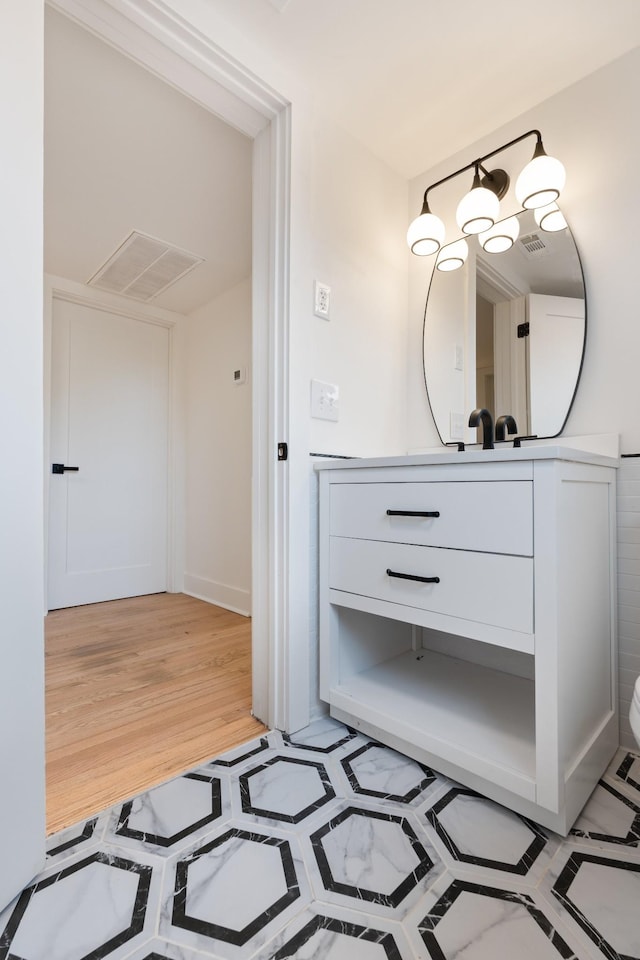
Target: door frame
(165, 43)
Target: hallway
(138, 691)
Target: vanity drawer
(493, 516)
(488, 588)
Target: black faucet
(506, 420)
(483, 415)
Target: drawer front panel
(488, 588)
(493, 516)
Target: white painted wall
(347, 229)
(218, 451)
(628, 505)
(592, 127)
(357, 246)
(22, 827)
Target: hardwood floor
(136, 692)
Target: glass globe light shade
(501, 236)
(453, 256)
(478, 210)
(550, 218)
(540, 183)
(425, 235)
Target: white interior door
(556, 333)
(109, 419)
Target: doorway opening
(102, 355)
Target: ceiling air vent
(143, 267)
(534, 245)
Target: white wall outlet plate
(324, 400)
(240, 375)
(322, 300)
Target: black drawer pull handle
(413, 513)
(62, 468)
(412, 576)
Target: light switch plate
(458, 357)
(324, 400)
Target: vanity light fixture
(452, 256)
(550, 218)
(426, 233)
(542, 180)
(539, 184)
(501, 236)
(479, 209)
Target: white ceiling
(418, 80)
(125, 151)
(414, 80)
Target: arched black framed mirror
(507, 331)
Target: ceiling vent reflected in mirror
(142, 267)
(534, 245)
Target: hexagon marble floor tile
(328, 845)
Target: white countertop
(601, 449)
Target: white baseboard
(220, 594)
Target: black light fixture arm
(539, 151)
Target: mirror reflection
(506, 331)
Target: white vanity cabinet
(467, 617)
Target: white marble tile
(326, 932)
(467, 920)
(260, 747)
(163, 950)
(173, 814)
(233, 893)
(367, 856)
(624, 773)
(609, 819)
(483, 927)
(476, 836)
(285, 789)
(378, 771)
(325, 736)
(597, 894)
(100, 905)
(80, 838)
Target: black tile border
(632, 838)
(428, 925)
(393, 899)
(352, 776)
(84, 835)
(350, 735)
(562, 886)
(137, 916)
(215, 931)
(386, 940)
(245, 790)
(124, 830)
(216, 762)
(625, 766)
(526, 861)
